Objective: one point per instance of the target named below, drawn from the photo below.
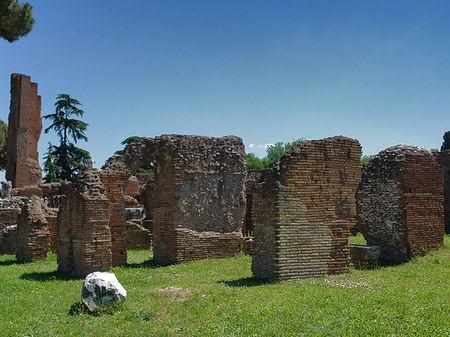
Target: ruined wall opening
(198, 194)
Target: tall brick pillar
(24, 130)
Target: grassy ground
(220, 298)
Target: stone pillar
(24, 130)
(33, 237)
(83, 243)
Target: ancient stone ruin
(198, 194)
(33, 237)
(24, 130)
(84, 236)
(400, 203)
(443, 158)
(303, 212)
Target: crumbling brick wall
(33, 238)
(254, 177)
(113, 181)
(8, 240)
(198, 198)
(84, 236)
(444, 160)
(24, 130)
(136, 236)
(400, 203)
(10, 208)
(303, 212)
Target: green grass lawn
(220, 298)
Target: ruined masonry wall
(24, 130)
(400, 203)
(33, 238)
(444, 160)
(114, 181)
(198, 193)
(303, 212)
(84, 237)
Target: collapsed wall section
(24, 130)
(303, 212)
(400, 203)
(84, 237)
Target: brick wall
(303, 212)
(113, 182)
(24, 130)
(198, 193)
(444, 160)
(400, 203)
(33, 238)
(84, 236)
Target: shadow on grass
(48, 276)
(8, 262)
(148, 264)
(248, 282)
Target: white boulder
(102, 288)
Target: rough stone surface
(400, 203)
(303, 212)
(100, 288)
(136, 236)
(444, 160)
(83, 243)
(24, 130)
(33, 237)
(8, 240)
(198, 198)
(364, 256)
(254, 177)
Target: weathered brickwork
(444, 160)
(114, 181)
(8, 240)
(254, 177)
(303, 212)
(136, 236)
(198, 194)
(10, 208)
(400, 203)
(33, 238)
(84, 236)
(24, 130)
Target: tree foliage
(65, 161)
(3, 139)
(16, 19)
(273, 155)
(446, 142)
(365, 159)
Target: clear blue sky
(266, 71)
